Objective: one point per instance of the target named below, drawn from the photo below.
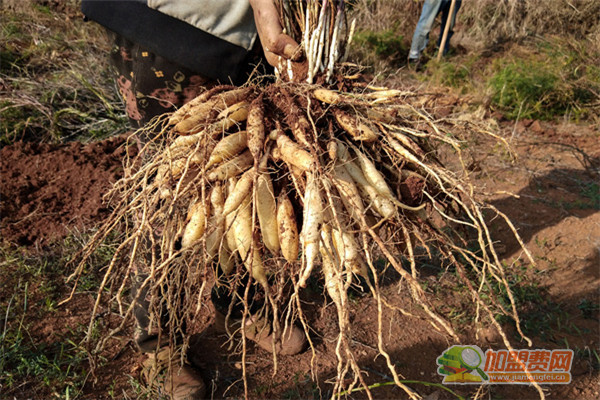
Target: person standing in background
(431, 9)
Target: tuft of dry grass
(382, 39)
(381, 15)
(491, 22)
(55, 83)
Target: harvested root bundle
(291, 181)
(326, 205)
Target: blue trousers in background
(431, 9)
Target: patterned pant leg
(151, 85)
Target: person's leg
(147, 339)
(162, 369)
(445, 11)
(258, 323)
(151, 85)
(421, 35)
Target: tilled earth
(49, 190)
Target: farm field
(64, 139)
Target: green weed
(540, 316)
(43, 358)
(589, 309)
(304, 388)
(554, 82)
(58, 365)
(140, 391)
(453, 73)
(589, 193)
(593, 357)
(383, 49)
(384, 44)
(527, 89)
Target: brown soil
(50, 190)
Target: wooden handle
(446, 30)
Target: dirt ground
(48, 191)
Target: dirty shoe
(171, 379)
(259, 330)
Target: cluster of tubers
(259, 155)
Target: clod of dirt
(49, 190)
(412, 190)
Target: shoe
(291, 342)
(259, 330)
(415, 64)
(168, 377)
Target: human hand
(275, 43)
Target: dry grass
(55, 83)
(490, 21)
